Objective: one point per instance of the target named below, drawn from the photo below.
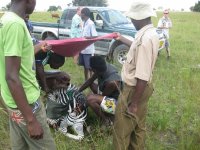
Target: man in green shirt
(19, 87)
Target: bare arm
(139, 90)
(88, 82)
(37, 48)
(124, 40)
(110, 87)
(41, 46)
(41, 77)
(94, 88)
(18, 94)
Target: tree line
(99, 3)
(196, 7)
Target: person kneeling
(105, 93)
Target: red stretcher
(71, 47)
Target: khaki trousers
(129, 129)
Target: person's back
(110, 75)
(105, 94)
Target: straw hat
(140, 10)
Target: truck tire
(119, 55)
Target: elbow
(11, 79)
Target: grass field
(173, 119)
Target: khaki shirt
(141, 57)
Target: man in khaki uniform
(129, 125)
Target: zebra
(67, 107)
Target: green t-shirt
(15, 40)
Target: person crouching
(105, 93)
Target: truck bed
(47, 24)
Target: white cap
(140, 10)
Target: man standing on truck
(76, 28)
(130, 114)
(19, 87)
(89, 31)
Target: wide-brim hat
(140, 10)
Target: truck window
(70, 14)
(92, 16)
(114, 17)
(67, 17)
(95, 16)
(63, 17)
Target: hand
(132, 108)
(45, 46)
(35, 130)
(80, 25)
(119, 36)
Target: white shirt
(165, 22)
(89, 30)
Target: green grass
(46, 17)
(173, 119)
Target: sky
(116, 4)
